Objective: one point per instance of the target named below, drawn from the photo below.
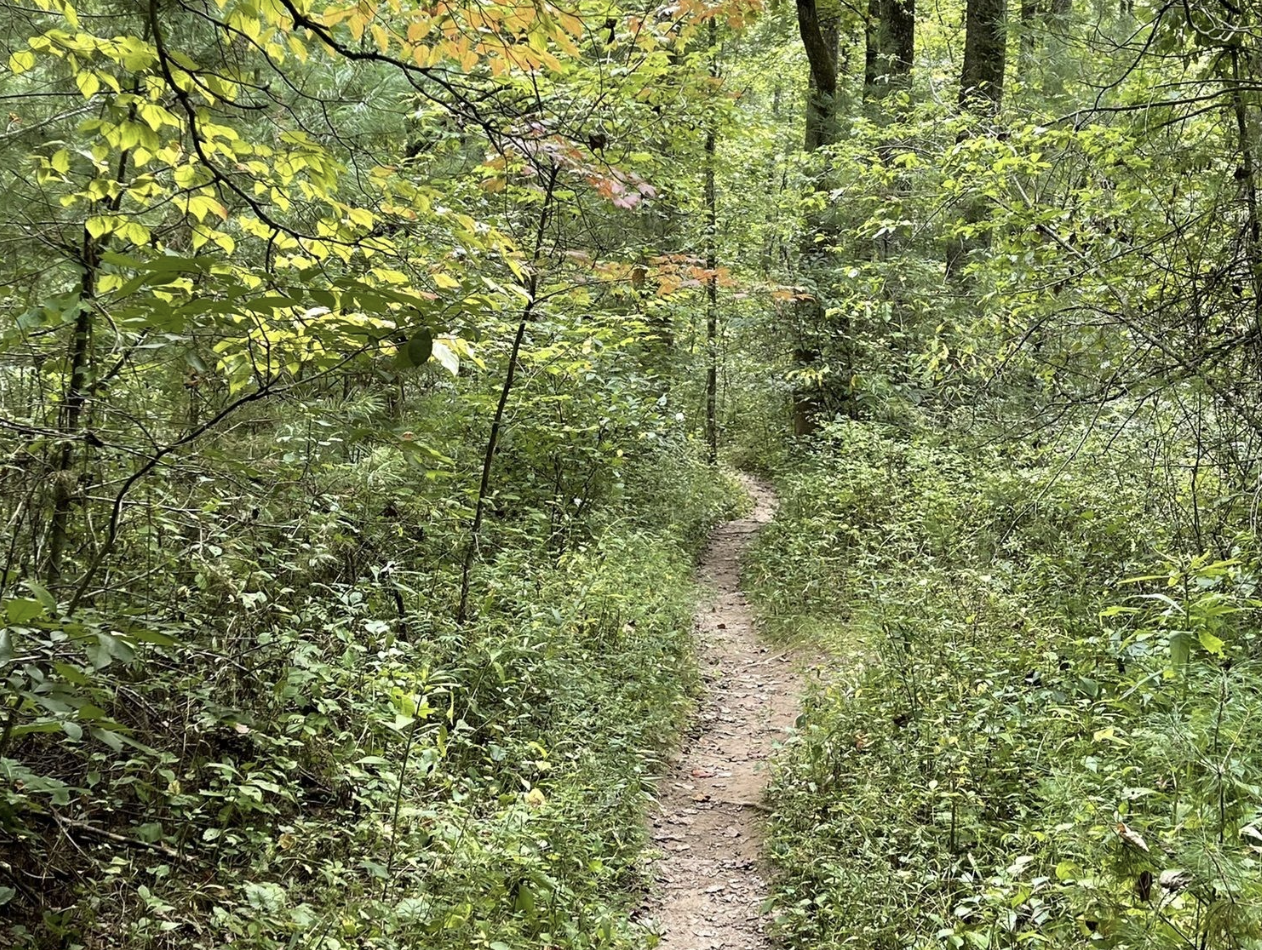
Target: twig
(91, 830)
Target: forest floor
(711, 877)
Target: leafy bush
(1034, 746)
(310, 751)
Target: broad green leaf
(1210, 642)
(22, 610)
(42, 595)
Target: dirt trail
(710, 879)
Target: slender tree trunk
(78, 388)
(820, 36)
(901, 36)
(712, 263)
(872, 48)
(473, 545)
(1247, 174)
(1059, 16)
(72, 412)
(1029, 39)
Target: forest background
(365, 369)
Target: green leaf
(42, 595)
(23, 610)
(420, 347)
(1211, 643)
(1180, 649)
(525, 903)
(152, 636)
(111, 739)
(88, 83)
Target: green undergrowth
(1040, 726)
(303, 761)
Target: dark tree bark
(981, 92)
(1058, 20)
(819, 37)
(1044, 33)
(1030, 10)
(872, 49)
(891, 47)
(985, 56)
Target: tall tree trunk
(77, 386)
(981, 93)
(891, 47)
(872, 48)
(819, 37)
(1247, 175)
(985, 56)
(712, 263)
(1029, 39)
(72, 413)
(1057, 46)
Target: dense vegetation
(364, 372)
(1046, 731)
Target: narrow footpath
(711, 881)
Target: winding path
(710, 879)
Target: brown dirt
(711, 880)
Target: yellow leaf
(88, 83)
(61, 161)
(445, 281)
(135, 232)
(99, 225)
(21, 61)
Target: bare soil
(711, 879)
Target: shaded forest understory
(372, 373)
